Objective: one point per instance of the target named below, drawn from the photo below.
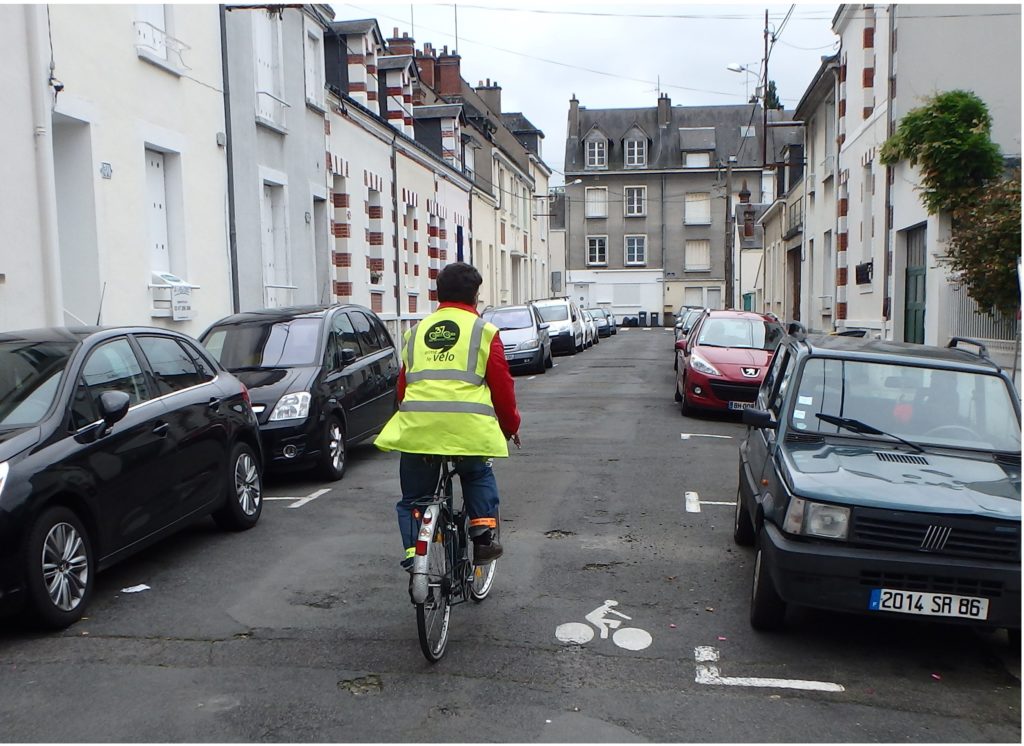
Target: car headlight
(530, 344)
(701, 365)
(4, 469)
(808, 518)
(291, 407)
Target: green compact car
(883, 478)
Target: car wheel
(742, 526)
(684, 405)
(243, 487)
(542, 364)
(548, 362)
(677, 395)
(333, 452)
(767, 609)
(59, 567)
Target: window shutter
(698, 255)
(698, 208)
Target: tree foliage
(949, 140)
(771, 97)
(985, 245)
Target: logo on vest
(442, 336)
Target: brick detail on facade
(416, 270)
(842, 107)
(868, 110)
(868, 77)
(842, 241)
(412, 304)
(415, 247)
(432, 231)
(869, 37)
(432, 273)
(843, 207)
(444, 255)
(377, 302)
(433, 295)
(842, 278)
(376, 238)
(841, 311)
(376, 212)
(342, 230)
(374, 265)
(340, 200)
(342, 259)
(343, 289)
(432, 252)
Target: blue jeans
(419, 475)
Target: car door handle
(161, 429)
(214, 404)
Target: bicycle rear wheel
(483, 575)
(433, 614)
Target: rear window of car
(597, 313)
(30, 373)
(265, 344)
(740, 333)
(554, 313)
(510, 318)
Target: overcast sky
(610, 55)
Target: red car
(721, 363)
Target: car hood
(863, 476)
(515, 336)
(731, 361)
(13, 442)
(267, 385)
(557, 326)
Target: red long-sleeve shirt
(498, 378)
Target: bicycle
(443, 573)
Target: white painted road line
(710, 674)
(687, 436)
(289, 499)
(309, 497)
(710, 502)
(692, 502)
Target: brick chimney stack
(449, 73)
(491, 94)
(574, 117)
(426, 62)
(403, 44)
(745, 193)
(664, 110)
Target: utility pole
(764, 98)
(729, 232)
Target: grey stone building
(647, 207)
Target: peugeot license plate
(928, 604)
(740, 404)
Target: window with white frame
(698, 208)
(635, 199)
(698, 255)
(314, 69)
(597, 153)
(697, 160)
(156, 208)
(597, 202)
(277, 284)
(151, 29)
(636, 152)
(597, 250)
(266, 29)
(636, 250)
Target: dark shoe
(407, 564)
(486, 553)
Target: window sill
(636, 215)
(634, 165)
(271, 125)
(696, 269)
(377, 290)
(318, 106)
(636, 264)
(597, 217)
(697, 223)
(596, 168)
(147, 56)
(602, 264)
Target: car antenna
(99, 311)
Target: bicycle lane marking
(628, 638)
(708, 673)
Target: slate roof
(394, 62)
(438, 111)
(516, 122)
(666, 143)
(355, 27)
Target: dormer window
(597, 153)
(636, 153)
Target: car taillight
(245, 394)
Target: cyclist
(457, 398)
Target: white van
(565, 324)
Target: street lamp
(738, 68)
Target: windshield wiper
(862, 428)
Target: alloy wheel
(65, 566)
(336, 446)
(247, 484)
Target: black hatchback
(109, 440)
(322, 378)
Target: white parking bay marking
(687, 436)
(288, 499)
(708, 673)
(307, 498)
(712, 502)
(692, 502)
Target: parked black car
(109, 440)
(883, 478)
(321, 378)
(524, 335)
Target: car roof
(726, 313)
(863, 348)
(76, 334)
(288, 312)
(492, 309)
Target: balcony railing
(794, 219)
(157, 46)
(271, 110)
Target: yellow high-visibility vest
(447, 408)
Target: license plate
(928, 604)
(740, 404)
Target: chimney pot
(445, 50)
(396, 32)
(405, 34)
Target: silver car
(525, 337)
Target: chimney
(664, 110)
(574, 117)
(745, 193)
(449, 74)
(491, 94)
(426, 64)
(403, 44)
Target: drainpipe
(663, 280)
(394, 234)
(236, 303)
(46, 185)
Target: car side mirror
(543, 326)
(347, 356)
(759, 418)
(113, 406)
(681, 345)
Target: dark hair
(458, 283)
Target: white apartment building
(117, 119)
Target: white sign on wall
(181, 302)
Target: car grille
(510, 348)
(901, 458)
(932, 584)
(944, 535)
(735, 391)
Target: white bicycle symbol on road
(630, 638)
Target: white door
(156, 209)
(582, 295)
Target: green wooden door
(913, 324)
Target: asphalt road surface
(302, 630)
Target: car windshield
(745, 333)
(510, 318)
(954, 408)
(265, 344)
(690, 318)
(597, 313)
(553, 313)
(30, 375)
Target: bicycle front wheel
(483, 575)
(433, 614)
